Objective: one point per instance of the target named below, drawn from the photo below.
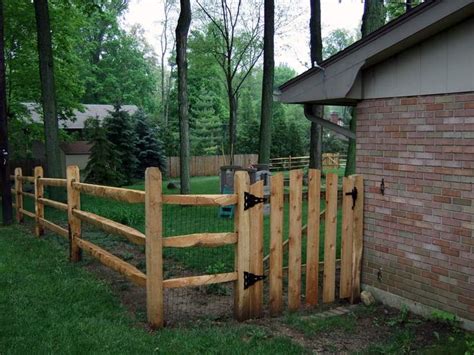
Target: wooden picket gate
(248, 237)
(351, 240)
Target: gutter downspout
(310, 115)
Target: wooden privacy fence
(209, 165)
(330, 161)
(247, 237)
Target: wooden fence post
(312, 248)
(154, 247)
(73, 202)
(346, 238)
(276, 244)
(242, 252)
(357, 238)
(39, 207)
(294, 240)
(256, 251)
(18, 195)
(329, 282)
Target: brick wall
(420, 234)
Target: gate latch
(250, 279)
(251, 200)
(353, 193)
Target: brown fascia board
(386, 29)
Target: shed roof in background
(90, 110)
(76, 148)
(339, 80)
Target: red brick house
(412, 83)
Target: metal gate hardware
(353, 193)
(382, 187)
(250, 279)
(251, 200)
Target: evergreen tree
(150, 150)
(103, 164)
(120, 132)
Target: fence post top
(72, 168)
(152, 170)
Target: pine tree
(103, 164)
(120, 131)
(150, 150)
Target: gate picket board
(346, 240)
(312, 237)
(330, 232)
(256, 251)
(276, 244)
(294, 245)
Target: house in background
(412, 83)
(76, 123)
(77, 152)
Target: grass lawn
(48, 305)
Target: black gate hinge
(251, 200)
(250, 279)
(353, 193)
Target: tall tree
(48, 94)
(7, 213)
(182, 29)
(316, 135)
(372, 19)
(267, 83)
(104, 165)
(168, 7)
(150, 152)
(120, 131)
(237, 48)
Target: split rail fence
(250, 266)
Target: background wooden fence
(209, 165)
(248, 237)
(330, 161)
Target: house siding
(442, 63)
(419, 235)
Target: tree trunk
(7, 211)
(316, 146)
(351, 150)
(54, 166)
(232, 125)
(316, 138)
(373, 19)
(182, 30)
(267, 84)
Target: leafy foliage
(94, 60)
(337, 40)
(396, 8)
